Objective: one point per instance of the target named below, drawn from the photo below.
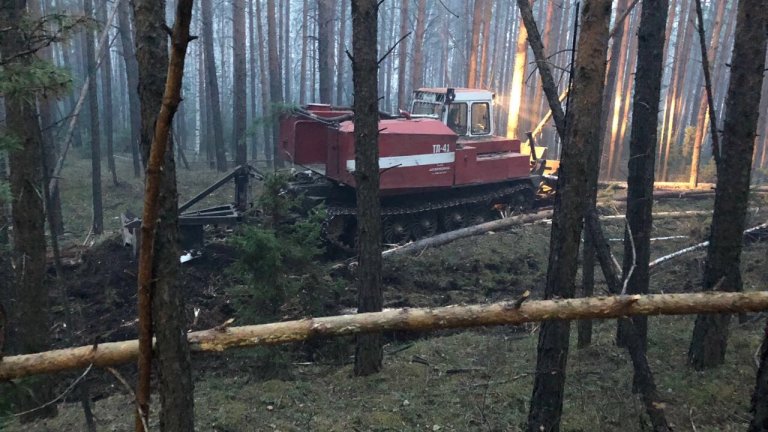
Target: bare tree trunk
(132, 76)
(582, 132)
(106, 100)
(29, 322)
(642, 153)
(239, 103)
(368, 351)
(402, 56)
(304, 54)
(474, 43)
(252, 73)
(722, 268)
(714, 44)
(286, 54)
(275, 81)
(265, 87)
(160, 89)
(325, 35)
(212, 84)
(417, 74)
(341, 56)
(93, 105)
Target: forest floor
(479, 379)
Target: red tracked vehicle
(442, 167)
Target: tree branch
(389, 51)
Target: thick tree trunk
(29, 322)
(47, 106)
(275, 81)
(239, 103)
(93, 106)
(285, 55)
(474, 43)
(212, 83)
(166, 299)
(304, 53)
(417, 74)
(325, 37)
(265, 87)
(368, 351)
(132, 76)
(252, 74)
(582, 136)
(722, 270)
(642, 158)
(106, 100)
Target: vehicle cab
(468, 112)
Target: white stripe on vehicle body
(410, 161)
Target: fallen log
(503, 313)
(450, 236)
(695, 247)
(501, 224)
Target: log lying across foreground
(504, 313)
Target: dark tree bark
(239, 103)
(106, 99)
(47, 106)
(167, 304)
(325, 37)
(93, 105)
(722, 269)
(642, 157)
(582, 132)
(275, 81)
(253, 73)
(132, 76)
(212, 83)
(29, 322)
(368, 352)
(265, 87)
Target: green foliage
(9, 141)
(36, 77)
(277, 261)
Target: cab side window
(481, 122)
(457, 118)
